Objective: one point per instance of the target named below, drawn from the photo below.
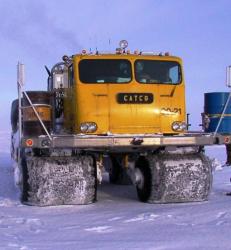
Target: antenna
(109, 43)
(47, 70)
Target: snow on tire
(61, 180)
(170, 178)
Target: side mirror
(228, 76)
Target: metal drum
(42, 103)
(214, 104)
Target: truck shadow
(108, 191)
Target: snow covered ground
(117, 220)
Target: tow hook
(137, 141)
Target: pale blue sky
(40, 32)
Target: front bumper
(130, 141)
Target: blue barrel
(214, 104)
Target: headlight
(179, 126)
(88, 127)
(84, 127)
(92, 127)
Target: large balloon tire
(60, 181)
(171, 178)
(14, 116)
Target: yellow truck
(121, 112)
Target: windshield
(105, 71)
(150, 71)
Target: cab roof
(129, 56)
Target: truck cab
(124, 93)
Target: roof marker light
(84, 52)
(118, 51)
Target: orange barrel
(42, 102)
